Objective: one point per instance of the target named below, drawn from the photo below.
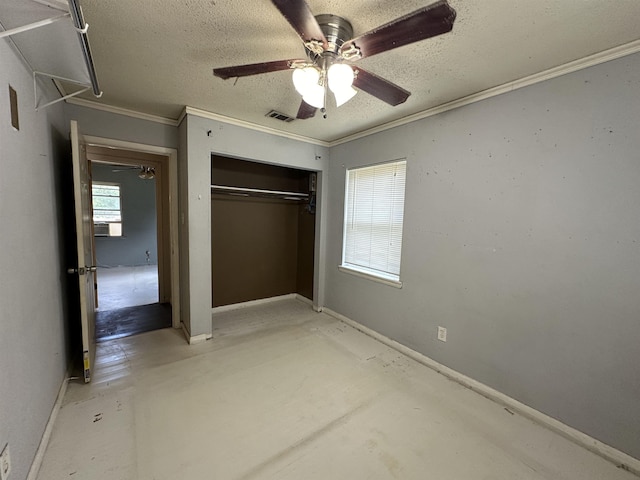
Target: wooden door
(85, 269)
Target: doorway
(132, 241)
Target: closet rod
(297, 195)
(81, 28)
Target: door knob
(82, 270)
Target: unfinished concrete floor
(120, 287)
(282, 392)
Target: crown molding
(576, 65)
(251, 126)
(122, 111)
(580, 64)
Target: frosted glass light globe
(315, 96)
(305, 78)
(340, 78)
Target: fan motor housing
(336, 29)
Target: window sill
(369, 276)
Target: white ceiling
(157, 56)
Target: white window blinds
(374, 213)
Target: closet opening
(263, 231)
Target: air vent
(280, 116)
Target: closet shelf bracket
(55, 77)
(31, 26)
(74, 12)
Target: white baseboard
(620, 459)
(46, 436)
(253, 303)
(304, 299)
(200, 338)
(197, 339)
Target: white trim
(182, 116)
(174, 224)
(253, 303)
(197, 339)
(620, 459)
(370, 276)
(304, 299)
(252, 126)
(123, 111)
(46, 435)
(203, 337)
(125, 145)
(580, 64)
(186, 333)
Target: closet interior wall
(261, 247)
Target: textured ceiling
(157, 56)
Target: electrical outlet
(5, 463)
(442, 334)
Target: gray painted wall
(139, 225)
(111, 125)
(33, 281)
(522, 238)
(195, 204)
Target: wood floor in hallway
(281, 392)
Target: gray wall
(111, 125)
(139, 225)
(195, 205)
(33, 309)
(522, 238)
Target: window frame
(367, 272)
(95, 223)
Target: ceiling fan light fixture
(147, 173)
(304, 79)
(344, 95)
(314, 96)
(340, 78)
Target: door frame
(171, 155)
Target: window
(107, 214)
(373, 216)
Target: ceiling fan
(145, 173)
(331, 48)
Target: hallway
(120, 287)
(128, 302)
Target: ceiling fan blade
(379, 87)
(305, 111)
(299, 15)
(427, 22)
(125, 168)
(253, 68)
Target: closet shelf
(48, 51)
(257, 192)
